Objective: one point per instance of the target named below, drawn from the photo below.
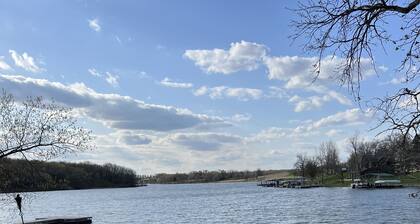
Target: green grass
(334, 181)
(412, 179)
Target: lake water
(223, 203)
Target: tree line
(394, 154)
(18, 175)
(205, 176)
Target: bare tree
(355, 157)
(332, 160)
(300, 164)
(322, 159)
(312, 167)
(38, 128)
(353, 29)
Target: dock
(61, 220)
(297, 182)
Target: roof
(379, 174)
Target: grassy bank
(412, 179)
(406, 180)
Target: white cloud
(309, 103)
(296, 72)
(201, 91)
(349, 117)
(314, 129)
(305, 104)
(221, 92)
(339, 97)
(112, 79)
(203, 141)
(240, 56)
(241, 117)
(113, 110)
(299, 72)
(276, 92)
(94, 24)
(117, 38)
(169, 83)
(129, 138)
(332, 132)
(270, 134)
(25, 61)
(396, 81)
(93, 72)
(4, 65)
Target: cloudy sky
(188, 85)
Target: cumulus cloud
(241, 117)
(201, 91)
(396, 81)
(115, 111)
(241, 56)
(112, 79)
(94, 72)
(349, 117)
(324, 126)
(269, 134)
(276, 92)
(305, 104)
(299, 72)
(94, 24)
(332, 132)
(296, 72)
(309, 103)
(4, 65)
(129, 138)
(221, 92)
(169, 83)
(25, 61)
(203, 141)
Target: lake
(222, 203)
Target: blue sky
(173, 86)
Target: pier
(62, 220)
(297, 182)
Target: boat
(387, 183)
(358, 183)
(377, 180)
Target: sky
(177, 86)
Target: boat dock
(297, 182)
(61, 220)
(377, 180)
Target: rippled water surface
(222, 203)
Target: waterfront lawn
(412, 179)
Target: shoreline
(93, 188)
